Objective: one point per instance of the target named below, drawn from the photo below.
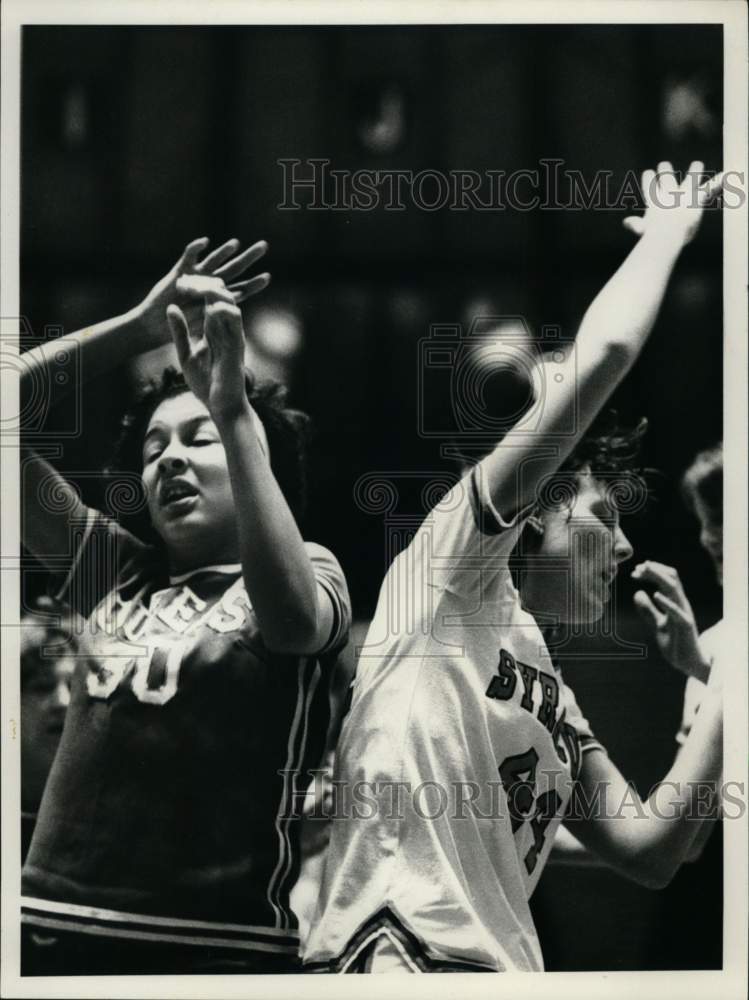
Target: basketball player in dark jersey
(166, 840)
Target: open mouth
(177, 494)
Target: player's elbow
(657, 878)
(296, 634)
(653, 869)
(618, 350)
(606, 343)
(605, 359)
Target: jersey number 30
(154, 676)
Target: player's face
(711, 537)
(586, 543)
(187, 482)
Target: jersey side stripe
(118, 916)
(282, 803)
(288, 865)
(140, 935)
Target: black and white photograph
(374, 404)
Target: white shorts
(385, 944)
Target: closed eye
(151, 455)
(606, 515)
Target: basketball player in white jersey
(462, 744)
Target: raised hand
(672, 207)
(670, 617)
(224, 263)
(211, 354)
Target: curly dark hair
(703, 480)
(608, 448)
(287, 431)
(610, 451)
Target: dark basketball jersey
(171, 810)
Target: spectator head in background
(47, 661)
(702, 488)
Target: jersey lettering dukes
(170, 810)
(456, 759)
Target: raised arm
(294, 612)
(106, 345)
(611, 335)
(101, 348)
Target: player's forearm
(278, 574)
(567, 850)
(647, 841)
(622, 315)
(612, 334)
(676, 811)
(97, 349)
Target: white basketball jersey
(456, 760)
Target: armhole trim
(91, 515)
(487, 518)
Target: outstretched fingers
(223, 328)
(648, 611)
(217, 257)
(648, 182)
(664, 577)
(180, 331)
(233, 268)
(668, 606)
(668, 182)
(203, 287)
(243, 290)
(192, 252)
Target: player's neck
(201, 549)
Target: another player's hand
(670, 617)
(671, 208)
(225, 263)
(211, 354)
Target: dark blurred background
(136, 140)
